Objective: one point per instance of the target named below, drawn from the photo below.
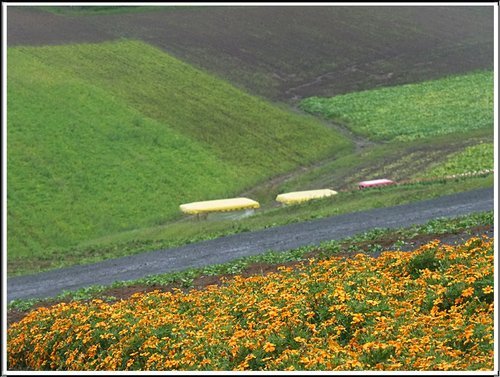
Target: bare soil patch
(32, 26)
(286, 53)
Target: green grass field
(238, 128)
(104, 138)
(450, 105)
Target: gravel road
(224, 249)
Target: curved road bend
(224, 249)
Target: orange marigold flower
(468, 333)
(269, 347)
(239, 334)
(468, 292)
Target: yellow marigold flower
(92, 350)
(415, 348)
(356, 318)
(106, 336)
(249, 357)
(488, 289)
(205, 362)
(154, 358)
(459, 300)
(269, 347)
(304, 360)
(273, 313)
(354, 364)
(434, 310)
(438, 301)
(368, 346)
(242, 366)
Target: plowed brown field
(289, 52)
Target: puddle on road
(233, 215)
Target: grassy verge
(431, 309)
(408, 112)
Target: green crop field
(408, 112)
(109, 137)
(475, 158)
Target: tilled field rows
(287, 53)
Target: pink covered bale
(375, 183)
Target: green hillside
(110, 137)
(449, 105)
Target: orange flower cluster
(431, 309)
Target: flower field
(431, 309)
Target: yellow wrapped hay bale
(220, 205)
(303, 196)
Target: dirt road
(224, 249)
